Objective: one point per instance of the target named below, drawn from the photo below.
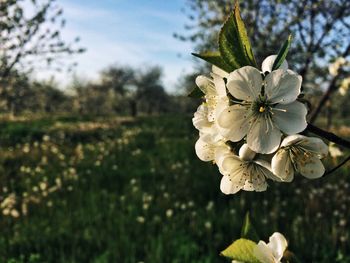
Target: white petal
(206, 85)
(263, 253)
(312, 169)
(228, 162)
(227, 186)
(292, 139)
(200, 119)
(204, 150)
(231, 163)
(277, 245)
(248, 186)
(282, 86)
(218, 71)
(262, 137)
(259, 179)
(234, 180)
(315, 145)
(268, 63)
(267, 170)
(221, 152)
(282, 166)
(219, 84)
(245, 83)
(233, 123)
(245, 153)
(222, 104)
(290, 118)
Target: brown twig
(338, 166)
(332, 87)
(328, 135)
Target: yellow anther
(262, 109)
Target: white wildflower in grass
(169, 213)
(140, 219)
(210, 206)
(208, 225)
(243, 172)
(271, 252)
(14, 213)
(263, 109)
(301, 154)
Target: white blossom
(243, 171)
(265, 108)
(214, 89)
(336, 66)
(206, 148)
(273, 251)
(301, 154)
(334, 151)
(344, 86)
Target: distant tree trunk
(329, 115)
(12, 109)
(133, 108)
(150, 109)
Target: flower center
(299, 155)
(260, 106)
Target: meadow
(119, 189)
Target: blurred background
(97, 144)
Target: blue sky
(128, 32)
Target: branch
(331, 88)
(328, 135)
(338, 166)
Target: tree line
(121, 90)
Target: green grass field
(132, 190)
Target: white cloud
(115, 36)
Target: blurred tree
(92, 98)
(120, 80)
(30, 36)
(13, 92)
(46, 97)
(321, 31)
(140, 89)
(149, 96)
(117, 78)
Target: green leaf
(196, 93)
(241, 250)
(248, 230)
(215, 59)
(282, 54)
(234, 44)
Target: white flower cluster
(258, 112)
(337, 65)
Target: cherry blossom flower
(273, 251)
(215, 92)
(301, 154)
(243, 171)
(264, 108)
